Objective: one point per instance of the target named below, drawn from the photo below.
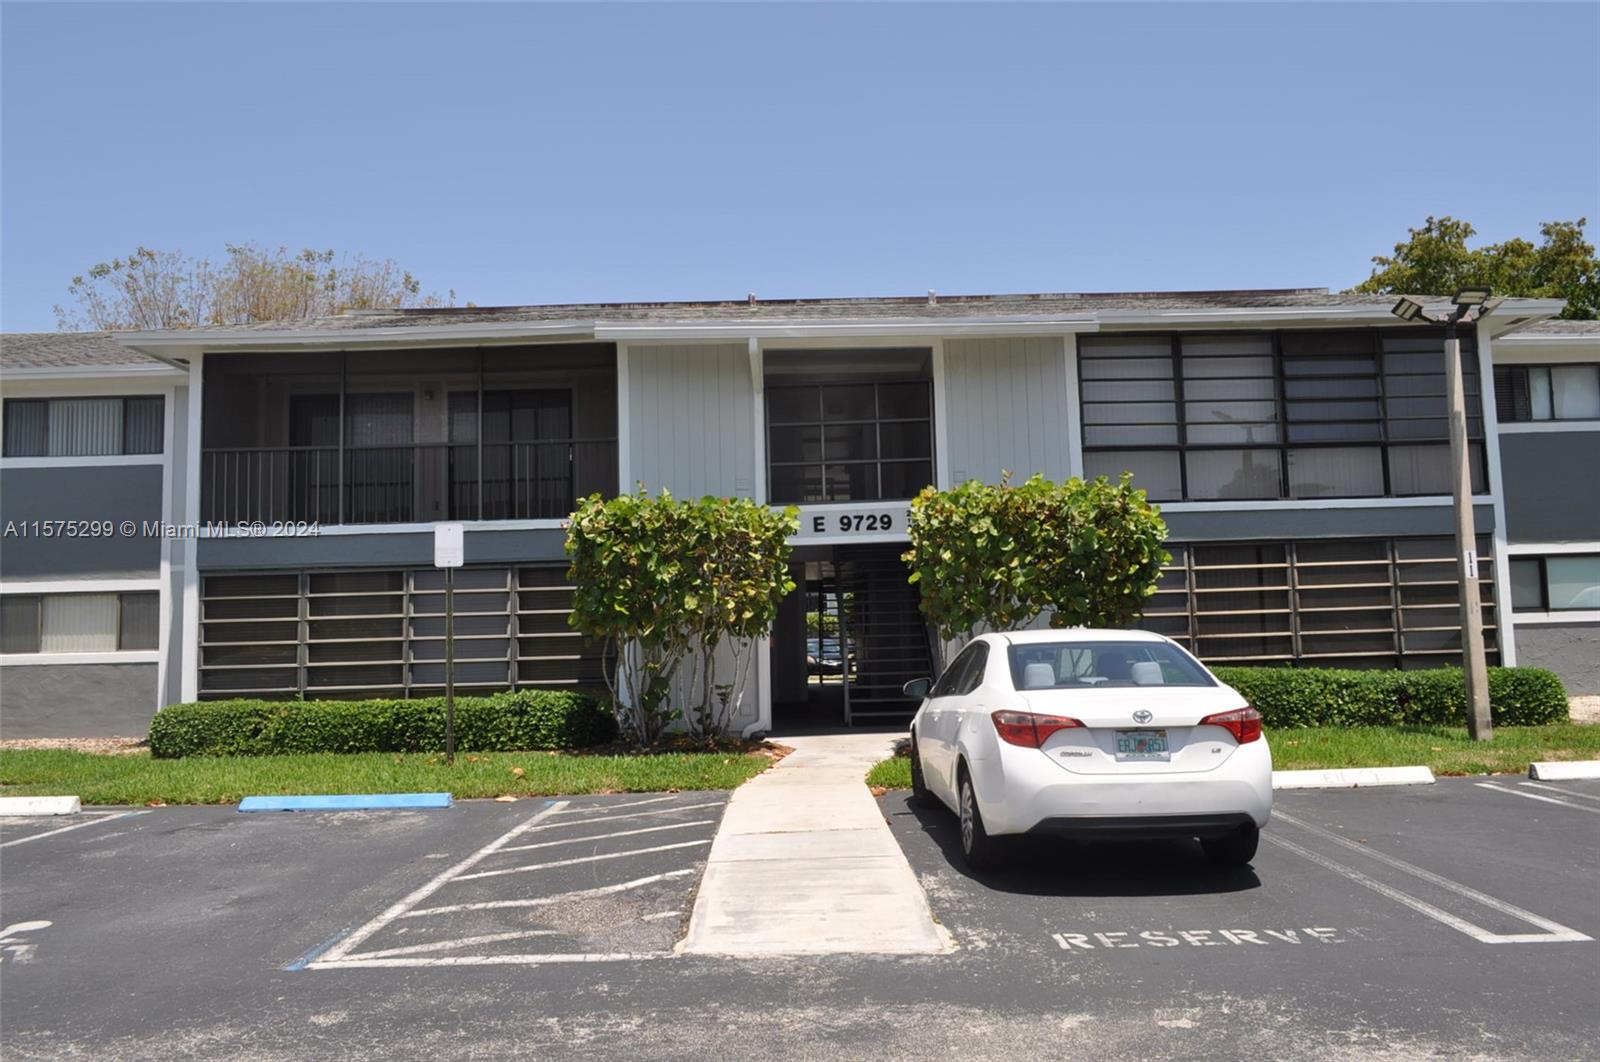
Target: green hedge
(524, 719)
(1307, 696)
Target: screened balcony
(408, 436)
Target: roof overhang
(92, 372)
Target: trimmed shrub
(503, 722)
(1309, 696)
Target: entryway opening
(846, 641)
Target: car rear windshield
(1088, 665)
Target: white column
(624, 428)
(941, 431)
(169, 399)
(190, 678)
(1074, 410)
(758, 389)
(1504, 621)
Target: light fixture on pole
(1470, 305)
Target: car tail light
(1027, 729)
(1243, 723)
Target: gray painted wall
(1275, 524)
(94, 492)
(1570, 650)
(385, 549)
(1007, 408)
(77, 700)
(1552, 489)
(692, 418)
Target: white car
(1090, 734)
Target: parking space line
(1536, 796)
(488, 960)
(434, 884)
(634, 815)
(660, 915)
(1555, 931)
(1563, 792)
(607, 836)
(94, 821)
(612, 807)
(542, 901)
(459, 942)
(580, 859)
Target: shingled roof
(66, 350)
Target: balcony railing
(405, 483)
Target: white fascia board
(92, 372)
(1525, 311)
(910, 328)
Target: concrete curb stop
(1352, 778)
(40, 805)
(347, 802)
(1567, 771)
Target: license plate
(1142, 745)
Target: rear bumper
(1134, 828)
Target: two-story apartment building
(1295, 439)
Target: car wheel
(979, 849)
(920, 795)
(1234, 850)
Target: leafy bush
(503, 722)
(997, 557)
(1309, 696)
(664, 583)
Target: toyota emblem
(1142, 716)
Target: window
(849, 442)
(1272, 415)
(380, 633)
(1097, 664)
(1556, 583)
(965, 673)
(79, 623)
(1547, 392)
(82, 427)
(1329, 603)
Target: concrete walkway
(804, 864)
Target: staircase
(886, 635)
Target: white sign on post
(449, 545)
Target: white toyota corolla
(1090, 734)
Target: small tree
(666, 584)
(998, 557)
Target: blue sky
(544, 153)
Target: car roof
(1077, 634)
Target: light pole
(1470, 305)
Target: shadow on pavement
(1040, 866)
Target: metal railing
(405, 483)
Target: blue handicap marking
(346, 802)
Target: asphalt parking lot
(1411, 923)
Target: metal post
(450, 665)
(1479, 724)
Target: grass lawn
(139, 779)
(1446, 749)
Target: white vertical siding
(1007, 408)
(692, 420)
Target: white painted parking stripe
(1563, 792)
(660, 915)
(580, 859)
(541, 901)
(1556, 932)
(459, 942)
(1536, 796)
(633, 815)
(1420, 906)
(434, 884)
(606, 836)
(97, 820)
(487, 960)
(613, 807)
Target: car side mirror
(917, 689)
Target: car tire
(921, 796)
(1235, 850)
(980, 851)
